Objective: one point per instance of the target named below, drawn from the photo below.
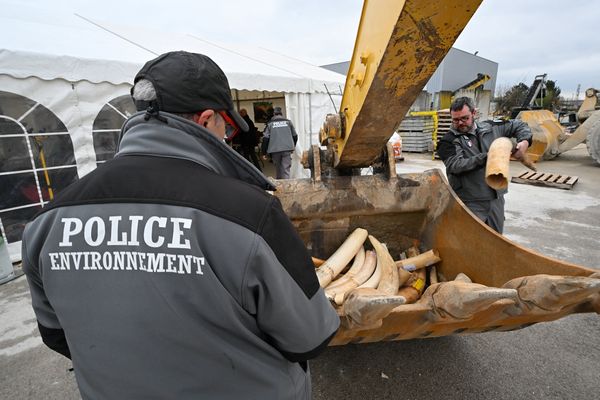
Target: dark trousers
(250, 155)
(489, 211)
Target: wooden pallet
(546, 179)
(444, 125)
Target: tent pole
(310, 132)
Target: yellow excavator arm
(398, 47)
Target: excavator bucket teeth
(512, 287)
(366, 308)
(548, 293)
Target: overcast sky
(526, 37)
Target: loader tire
(593, 141)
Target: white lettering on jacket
(184, 264)
(115, 231)
(280, 124)
(123, 234)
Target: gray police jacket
(465, 156)
(168, 272)
(279, 135)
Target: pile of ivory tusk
(374, 271)
(374, 284)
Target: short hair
(144, 90)
(460, 102)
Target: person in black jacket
(464, 152)
(249, 140)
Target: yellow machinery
(550, 138)
(474, 84)
(398, 47)
(477, 83)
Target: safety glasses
(231, 128)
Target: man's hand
(265, 158)
(521, 149)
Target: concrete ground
(556, 360)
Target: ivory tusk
(419, 261)
(342, 256)
(498, 162)
(375, 277)
(413, 289)
(390, 279)
(551, 293)
(357, 264)
(414, 286)
(338, 293)
(365, 308)
(433, 278)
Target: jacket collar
(176, 137)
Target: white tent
(61, 106)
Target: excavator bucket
(398, 47)
(512, 287)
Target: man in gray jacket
(464, 152)
(169, 272)
(279, 142)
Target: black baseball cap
(188, 83)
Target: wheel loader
(398, 47)
(550, 138)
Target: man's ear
(201, 118)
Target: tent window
(36, 161)
(107, 126)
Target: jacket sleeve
(265, 140)
(454, 157)
(51, 332)
(517, 129)
(294, 134)
(282, 291)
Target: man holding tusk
(169, 271)
(464, 152)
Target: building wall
(456, 69)
(459, 68)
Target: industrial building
(456, 75)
